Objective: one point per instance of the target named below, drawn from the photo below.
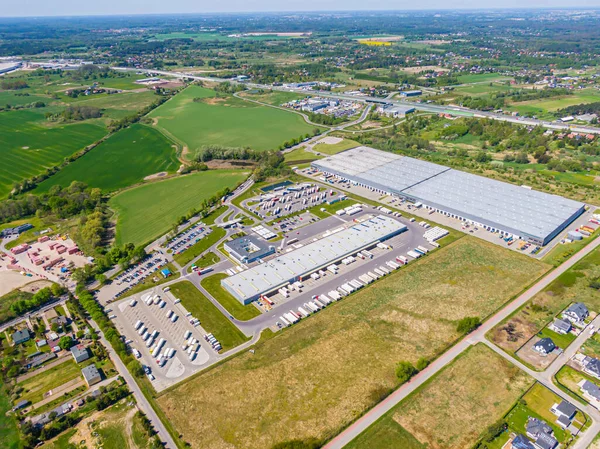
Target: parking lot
(154, 318)
(289, 200)
(189, 237)
(134, 275)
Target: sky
(115, 7)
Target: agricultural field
(544, 107)
(117, 106)
(481, 78)
(212, 319)
(29, 144)
(402, 317)
(572, 286)
(147, 211)
(198, 117)
(450, 411)
(124, 159)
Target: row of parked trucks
(216, 345)
(320, 301)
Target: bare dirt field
(11, 280)
(319, 375)
(527, 354)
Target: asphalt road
(477, 336)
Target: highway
(425, 107)
(476, 337)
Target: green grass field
(28, 145)
(9, 434)
(450, 411)
(340, 362)
(229, 121)
(481, 78)
(212, 284)
(35, 387)
(147, 211)
(275, 98)
(117, 106)
(211, 318)
(198, 248)
(334, 148)
(124, 159)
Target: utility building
(534, 216)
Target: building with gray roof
(91, 375)
(577, 312)
(265, 278)
(590, 390)
(561, 326)
(531, 215)
(247, 249)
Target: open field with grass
(544, 106)
(35, 387)
(571, 286)
(212, 284)
(29, 145)
(198, 248)
(117, 106)
(9, 434)
(211, 318)
(226, 121)
(147, 211)
(300, 155)
(454, 408)
(276, 98)
(325, 371)
(124, 159)
(326, 148)
(481, 78)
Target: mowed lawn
(228, 122)
(28, 145)
(453, 409)
(321, 374)
(147, 211)
(123, 159)
(211, 318)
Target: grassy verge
(198, 248)
(211, 318)
(207, 260)
(9, 433)
(240, 312)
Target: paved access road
(477, 336)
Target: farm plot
(122, 160)
(28, 145)
(147, 211)
(454, 408)
(197, 117)
(319, 375)
(572, 286)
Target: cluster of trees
(324, 119)
(43, 296)
(468, 324)
(116, 125)
(62, 202)
(76, 113)
(13, 84)
(578, 109)
(406, 370)
(228, 88)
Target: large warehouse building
(250, 284)
(531, 215)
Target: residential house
(576, 313)
(590, 391)
(544, 346)
(91, 375)
(521, 442)
(560, 326)
(80, 353)
(591, 366)
(565, 411)
(21, 336)
(541, 433)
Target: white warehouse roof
(524, 212)
(267, 277)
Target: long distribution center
(265, 278)
(531, 215)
